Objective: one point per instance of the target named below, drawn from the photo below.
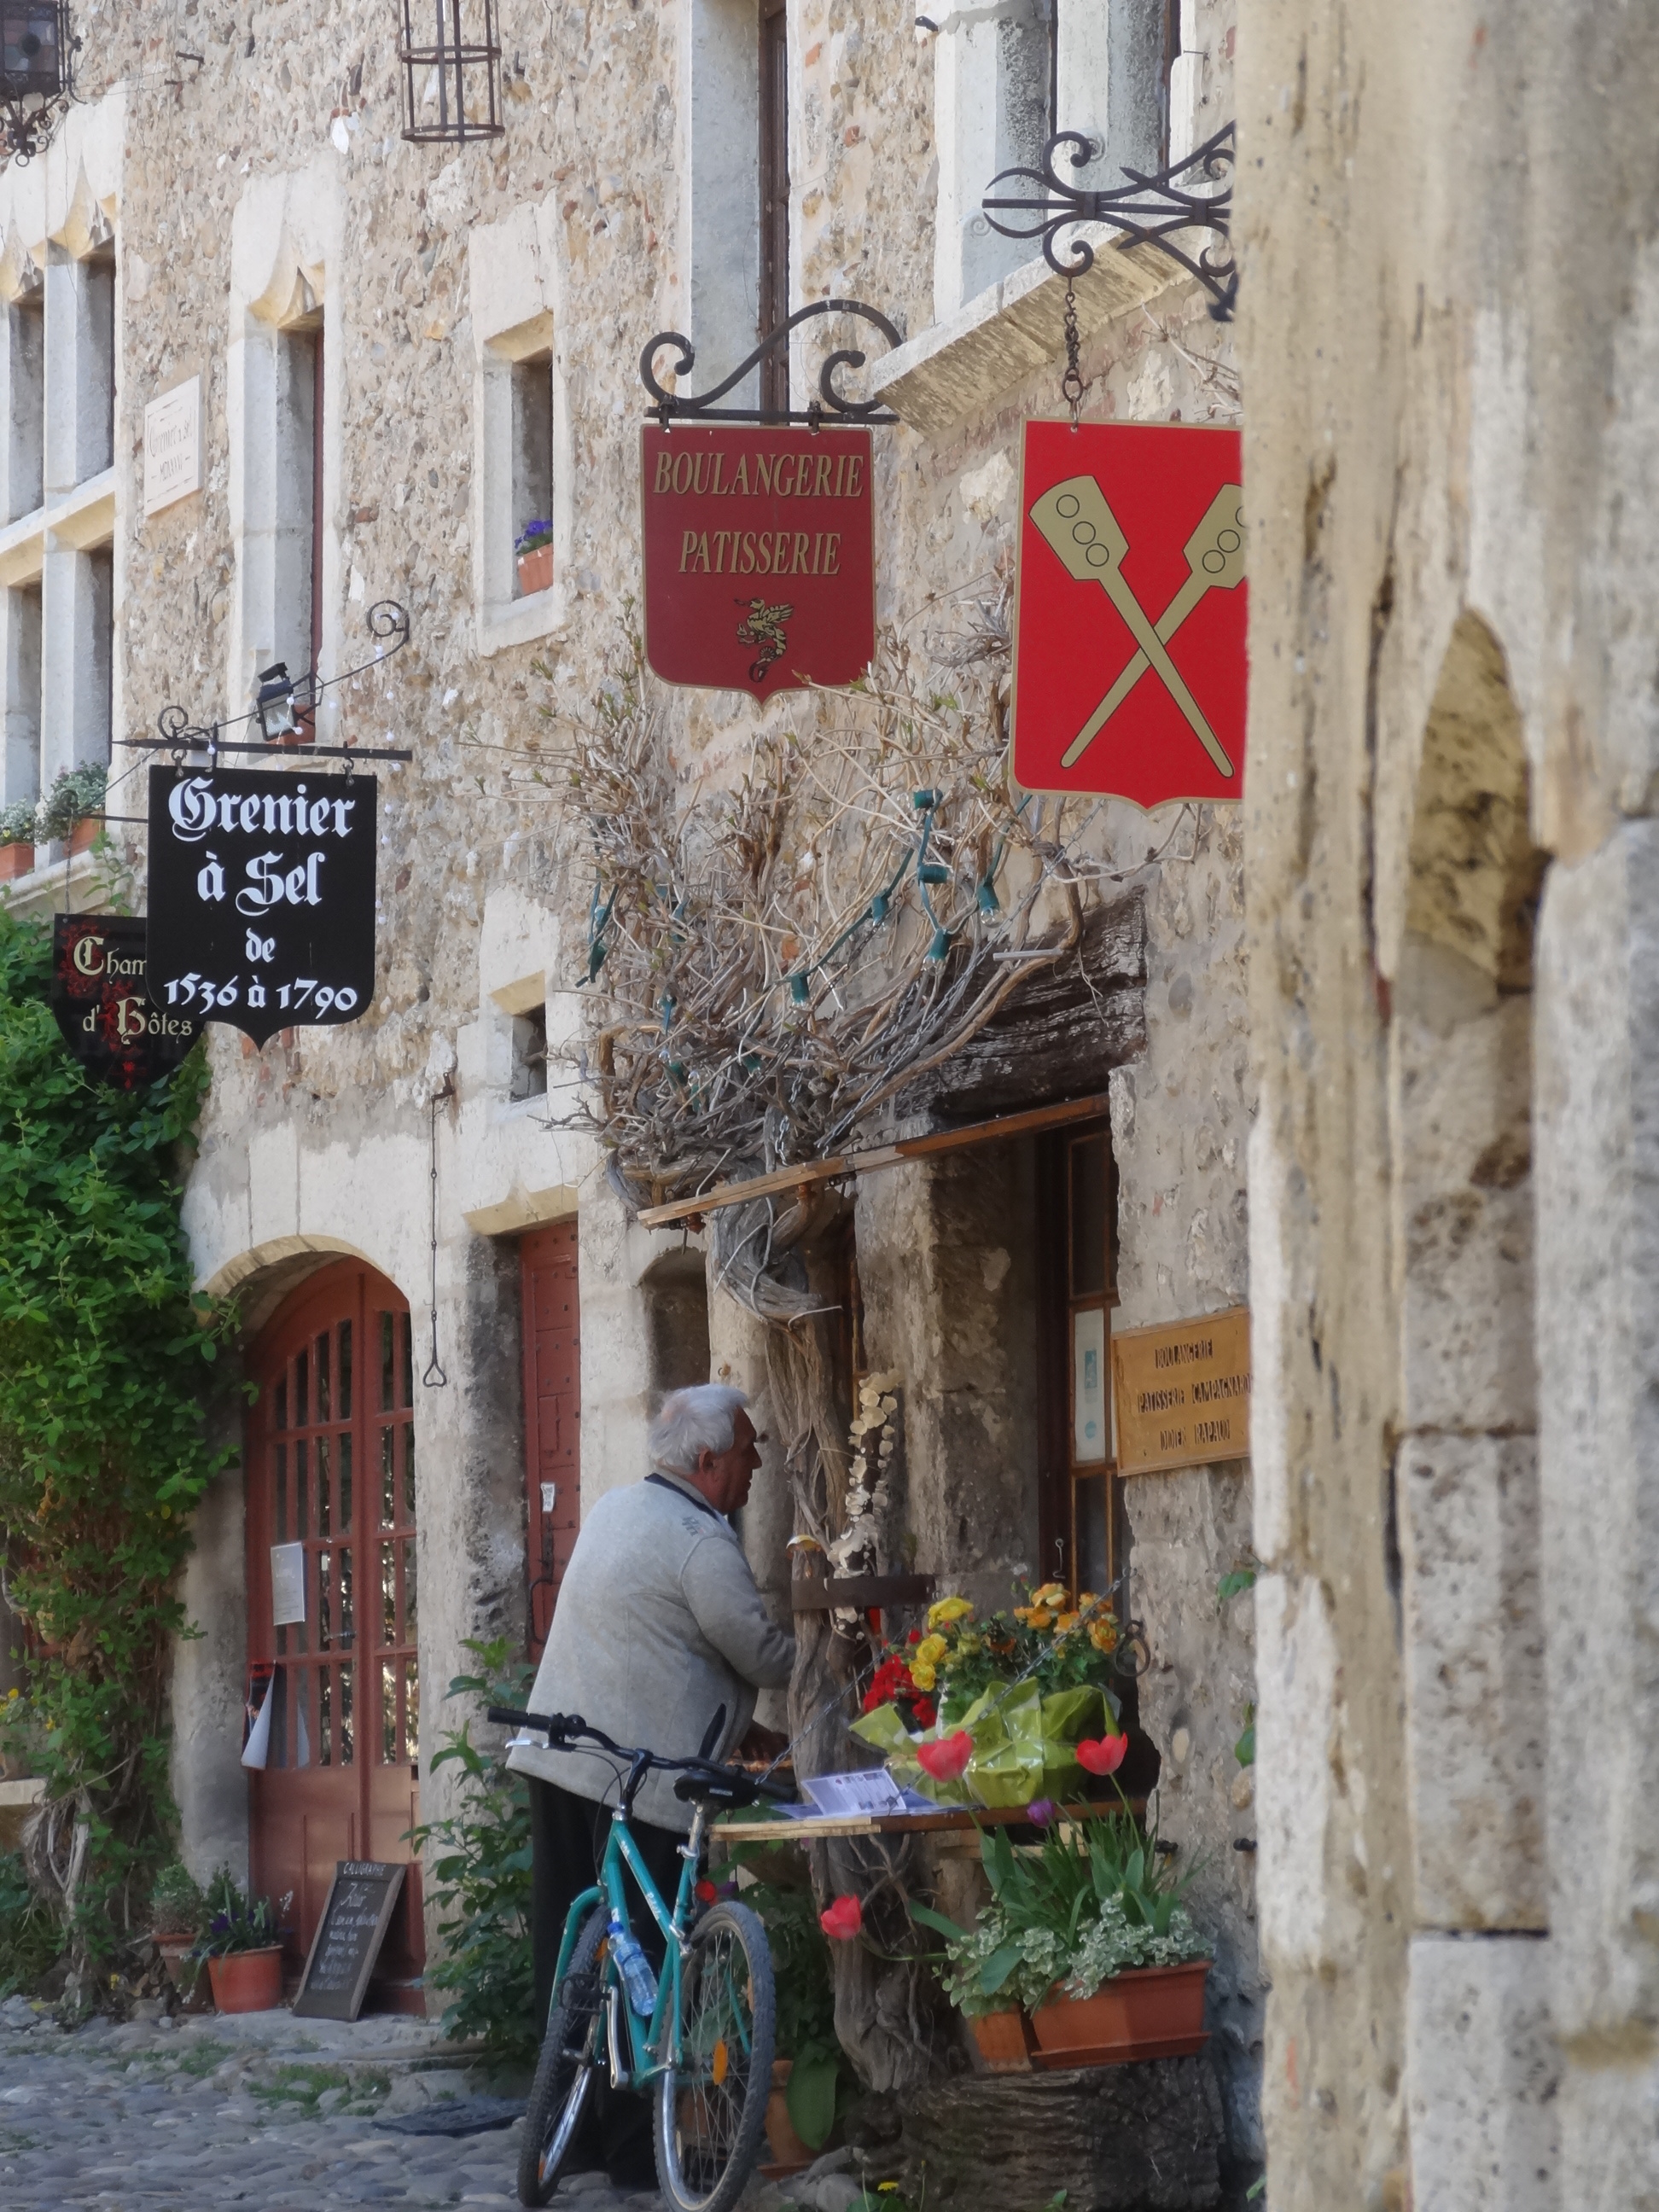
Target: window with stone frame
(1007, 74)
(735, 188)
(1084, 1534)
(57, 367)
(531, 384)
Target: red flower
(843, 1921)
(1104, 1754)
(891, 1681)
(925, 1710)
(914, 1636)
(947, 1760)
(707, 1892)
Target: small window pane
(388, 1378)
(302, 1376)
(388, 1595)
(347, 1627)
(406, 1344)
(302, 1493)
(345, 1744)
(325, 1525)
(325, 1599)
(322, 1378)
(1089, 1436)
(410, 1635)
(389, 1715)
(344, 1447)
(409, 1471)
(344, 1375)
(412, 1707)
(280, 1491)
(388, 1477)
(1089, 1226)
(325, 1719)
(1092, 1562)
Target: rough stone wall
(274, 174)
(1447, 218)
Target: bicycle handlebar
(559, 1728)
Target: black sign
(98, 996)
(261, 896)
(362, 1899)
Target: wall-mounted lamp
(273, 702)
(37, 50)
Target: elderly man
(659, 1625)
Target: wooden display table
(949, 1818)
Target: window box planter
(536, 571)
(1005, 2038)
(84, 835)
(1147, 2012)
(247, 1981)
(16, 860)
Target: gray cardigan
(659, 1622)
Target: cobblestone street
(194, 2117)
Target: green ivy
(106, 1355)
(479, 1875)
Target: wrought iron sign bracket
(278, 697)
(830, 406)
(1148, 209)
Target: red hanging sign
(1129, 634)
(759, 556)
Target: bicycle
(698, 2037)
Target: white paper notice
(257, 1749)
(870, 1789)
(288, 1583)
(173, 446)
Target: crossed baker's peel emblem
(1076, 520)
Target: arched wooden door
(332, 1477)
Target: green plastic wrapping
(1022, 1745)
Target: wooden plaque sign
(98, 996)
(759, 556)
(362, 1899)
(1183, 1393)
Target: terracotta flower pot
(1151, 2012)
(16, 860)
(248, 1981)
(84, 835)
(1004, 2039)
(536, 571)
(789, 2154)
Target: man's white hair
(702, 1418)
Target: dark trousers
(567, 1837)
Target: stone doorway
(331, 1471)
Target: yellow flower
(1023, 1612)
(1102, 1634)
(947, 1610)
(932, 1650)
(1051, 1594)
(922, 1674)
(1039, 1617)
(1088, 1601)
(1065, 1622)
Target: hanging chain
(1072, 384)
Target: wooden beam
(807, 1172)
(862, 1591)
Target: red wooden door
(552, 1412)
(331, 1473)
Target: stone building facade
(1446, 337)
(400, 345)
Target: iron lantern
(273, 702)
(451, 56)
(36, 72)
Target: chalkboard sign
(362, 1899)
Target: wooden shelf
(948, 1820)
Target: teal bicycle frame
(645, 2038)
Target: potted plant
(17, 841)
(534, 549)
(241, 1943)
(809, 2073)
(991, 1713)
(72, 811)
(1084, 1956)
(177, 1909)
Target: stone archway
(1465, 1474)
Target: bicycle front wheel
(566, 2069)
(711, 2107)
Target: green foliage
(478, 1874)
(819, 2078)
(30, 1939)
(1244, 1749)
(1241, 1579)
(105, 1357)
(1094, 1900)
(177, 1907)
(77, 791)
(236, 1922)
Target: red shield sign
(1129, 644)
(759, 556)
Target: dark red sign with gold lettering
(759, 556)
(103, 1011)
(1129, 651)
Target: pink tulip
(843, 1921)
(948, 1757)
(1104, 1754)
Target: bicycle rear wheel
(711, 2107)
(565, 2072)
